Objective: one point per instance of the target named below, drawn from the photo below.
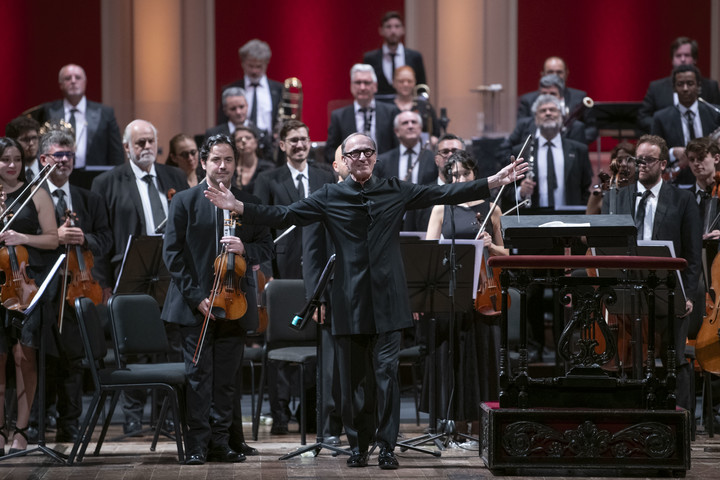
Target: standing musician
(363, 216)
(196, 233)
(33, 231)
(86, 227)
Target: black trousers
(210, 389)
(370, 405)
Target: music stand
(142, 269)
(428, 288)
(21, 316)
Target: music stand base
(446, 433)
(316, 447)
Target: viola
(80, 262)
(18, 289)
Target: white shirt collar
(655, 190)
(65, 188)
(139, 174)
(400, 50)
(358, 107)
(693, 108)
(80, 107)
(295, 172)
(263, 82)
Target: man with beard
(196, 233)
(665, 212)
(300, 254)
(136, 198)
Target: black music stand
(429, 291)
(19, 317)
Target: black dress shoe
(279, 429)
(332, 440)
(387, 460)
(224, 454)
(244, 448)
(358, 460)
(67, 434)
(132, 428)
(195, 456)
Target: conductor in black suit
(666, 213)
(97, 136)
(89, 229)
(365, 115)
(661, 93)
(370, 301)
(393, 54)
(689, 119)
(136, 198)
(196, 234)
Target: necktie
(392, 63)
(410, 165)
(367, 114)
(60, 206)
(73, 121)
(300, 186)
(640, 214)
(690, 116)
(253, 111)
(156, 206)
(29, 174)
(551, 178)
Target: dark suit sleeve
(116, 153)
(334, 138)
(259, 245)
(419, 68)
(98, 236)
(646, 111)
(657, 127)
(691, 232)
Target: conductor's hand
(223, 198)
(510, 173)
(527, 187)
(234, 244)
(319, 314)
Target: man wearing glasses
(363, 216)
(665, 212)
(26, 131)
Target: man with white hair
(365, 115)
(136, 197)
(409, 161)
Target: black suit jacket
(276, 90)
(660, 95)
(104, 146)
(277, 187)
(413, 59)
(369, 290)
(526, 126)
(388, 163)
(124, 206)
(342, 124)
(190, 247)
(667, 123)
(676, 219)
(573, 98)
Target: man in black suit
(196, 233)
(365, 115)
(235, 108)
(136, 197)
(285, 185)
(393, 54)
(689, 119)
(26, 131)
(370, 301)
(661, 93)
(90, 230)
(97, 136)
(669, 213)
(572, 97)
(409, 161)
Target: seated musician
(665, 212)
(622, 171)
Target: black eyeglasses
(646, 160)
(355, 154)
(295, 140)
(61, 155)
(187, 154)
(446, 152)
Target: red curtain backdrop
(37, 38)
(315, 41)
(613, 48)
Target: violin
(488, 299)
(79, 265)
(18, 289)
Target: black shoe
(132, 428)
(279, 429)
(224, 454)
(358, 460)
(67, 434)
(168, 426)
(387, 460)
(332, 440)
(196, 456)
(244, 448)
(33, 433)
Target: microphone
(444, 121)
(299, 320)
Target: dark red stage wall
(36, 39)
(316, 41)
(613, 48)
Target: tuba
(292, 98)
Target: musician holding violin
(84, 234)
(23, 264)
(478, 358)
(203, 249)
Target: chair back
(92, 335)
(285, 298)
(136, 324)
